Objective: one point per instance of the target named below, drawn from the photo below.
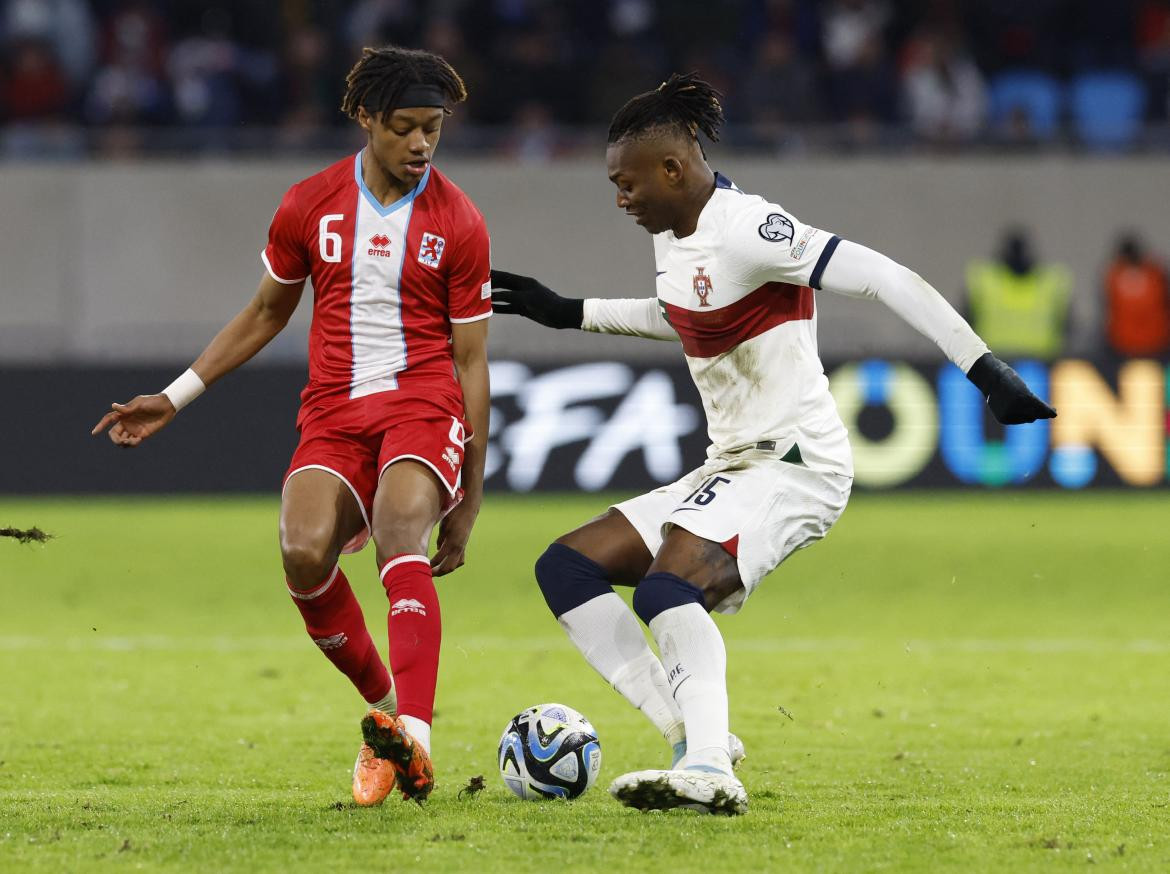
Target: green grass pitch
(975, 682)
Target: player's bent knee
(399, 536)
(568, 579)
(306, 563)
(661, 591)
(612, 542)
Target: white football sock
(696, 662)
(387, 705)
(610, 637)
(419, 730)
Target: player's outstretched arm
(245, 335)
(857, 271)
(631, 317)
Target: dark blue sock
(568, 579)
(660, 591)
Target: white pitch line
(467, 646)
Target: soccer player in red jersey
(394, 418)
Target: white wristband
(184, 389)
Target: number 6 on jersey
(330, 241)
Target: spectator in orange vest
(1137, 302)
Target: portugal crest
(703, 286)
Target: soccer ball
(549, 751)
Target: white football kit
(738, 294)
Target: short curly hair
(380, 76)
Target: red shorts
(356, 440)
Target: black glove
(1010, 400)
(524, 296)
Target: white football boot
(735, 748)
(708, 791)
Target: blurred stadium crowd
(125, 77)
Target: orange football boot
(373, 778)
(389, 739)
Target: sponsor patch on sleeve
(797, 251)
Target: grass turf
(949, 682)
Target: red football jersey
(388, 281)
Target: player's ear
(364, 119)
(672, 169)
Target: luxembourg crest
(430, 252)
(703, 286)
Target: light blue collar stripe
(374, 202)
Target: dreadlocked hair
(683, 103)
(379, 77)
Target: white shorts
(761, 510)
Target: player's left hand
(1008, 396)
(454, 532)
(518, 295)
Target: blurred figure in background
(1137, 302)
(35, 103)
(33, 87)
(1010, 35)
(1153, 54)
(308, 81)
(1018, 305)
(212, 74)
(65, 26)
(533, 135)
(128, 91)
(778, 90)
(534, 61)
(943, 90)
(862, 85)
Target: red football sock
(334, 620)
(416, 630)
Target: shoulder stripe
(814, 281)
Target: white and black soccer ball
(549, 751)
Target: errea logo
(451, 456)
(408, 605)
(379, 246)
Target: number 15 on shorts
(704, 494)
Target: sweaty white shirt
(738, 294)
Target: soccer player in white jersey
(398, 388)
(735, 283)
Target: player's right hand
(132, 423)
(524, 296)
